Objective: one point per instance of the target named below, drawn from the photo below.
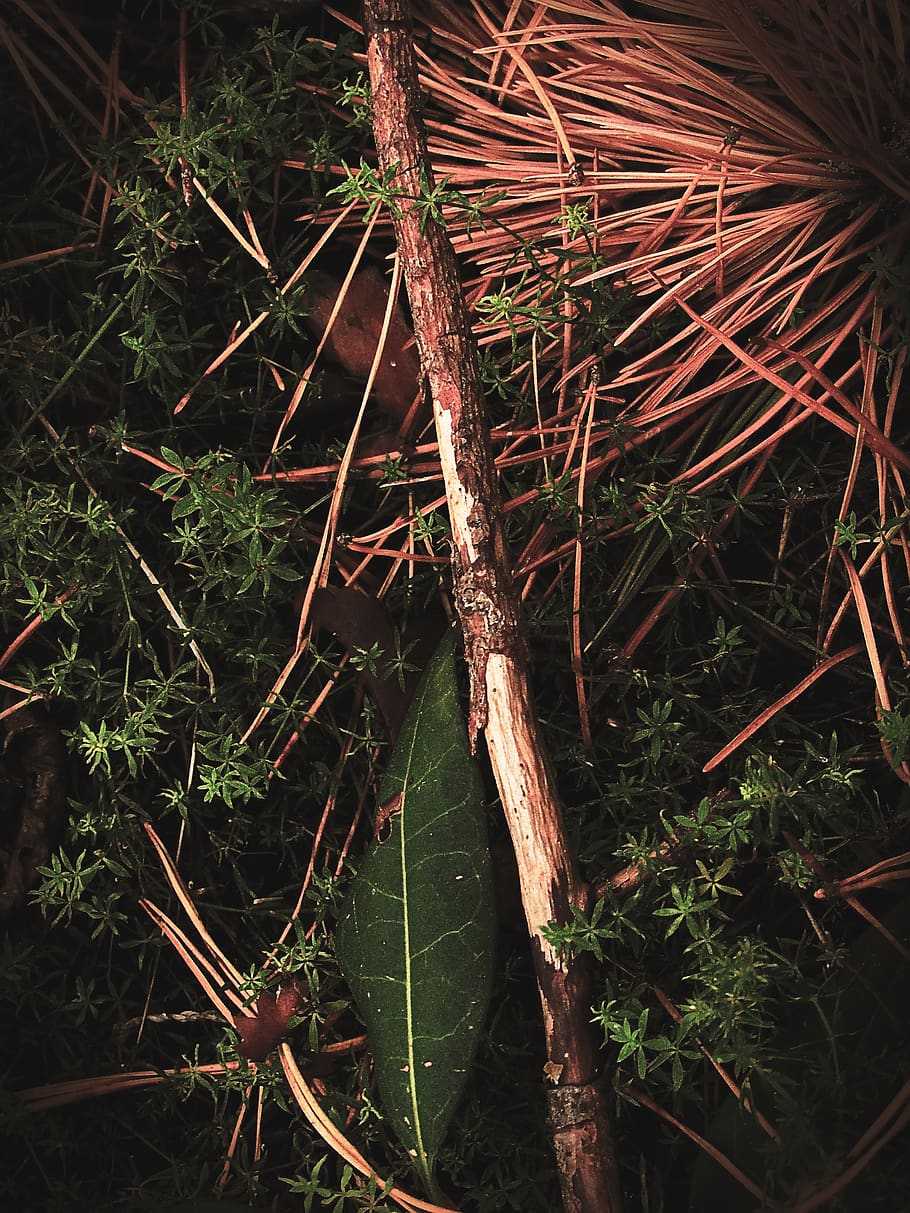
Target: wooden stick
(500, 697)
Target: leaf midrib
(422, 1159)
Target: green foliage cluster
(717, 946)
(97, 349)
(719, 922)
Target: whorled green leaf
(415, 941)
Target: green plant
(697, 430)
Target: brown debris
(261, 1032)
(34, 812)
(353, 338)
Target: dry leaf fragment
(264, 1030)
(354, 337)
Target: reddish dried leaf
(359, 620)
(355, 335)
(261, 1033)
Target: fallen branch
(500, 697)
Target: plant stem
(501, 701)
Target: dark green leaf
(415, 942)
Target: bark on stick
(500, 703)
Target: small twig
(747, 1104)
(30, 628)
(62, 1094)
(489, 611)
(123, 1030)
(639, 1096)
(779, 704)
